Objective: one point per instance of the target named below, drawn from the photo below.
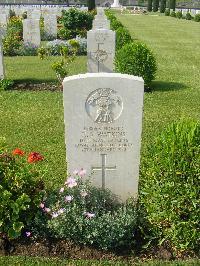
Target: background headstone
(31, 31)
(103, 124)
(50, 25)
(100, 50)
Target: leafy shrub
(6, 84)
(179, 14)
(92, 216)
(197, 18)
(21, 190)
(115, 24)
(167, 12)
(188, 16)
(122, 37)
(76, 21)
(173, 14)
(13, 39)
(64, 34)
(170, 189)
(136, 59)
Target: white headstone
(100, 21)
(103, 124)
(50, 25)
(100, 50)
(31, 31)
(3, 19)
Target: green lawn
(34, 120)
(32, 68)
(31, 261)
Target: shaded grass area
(33, 69)
(35, 261)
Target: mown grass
(33, 69)
(36, 261)
(176, 90)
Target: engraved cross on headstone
(103, 168)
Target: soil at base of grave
(69, 250)
(38, 86)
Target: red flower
(35, 157)
(18, 152)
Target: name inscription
(103, 139)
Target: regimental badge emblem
(104, 105)
(100, 37)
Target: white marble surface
(100, 50)
(103, 124)
(31, 31)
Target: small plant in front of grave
(167, 12)
(137, 59)
(197, 18)
(173, 14)
(91, 216)
(6, 84)
(179, 14)
(170, 188)
(21, 191)
(188, 16)
(13, 39)
(42, 52)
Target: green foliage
(42, 52)
(149, 5)
(24, 15)
(6, 84)
(11, 13)
(167, 12)
(172, 4)
(115, 24)
(197, 18)
(170, 185)
(188, 16)
(155, 5)
(122, 37)
(64, 34)
(91, 5)
(13, 39)
(136, 59)
(21, 190)
(76, 21)
(173, 14)
(179, 14)
(92, 216)
(162, 6)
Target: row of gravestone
(103, 117)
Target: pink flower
(89, 214)
(54, 214)
(75, 172)
(61, 210)
(47, 210)
(68, 198)
(41, 205)
(62, 190)
(28, 234)
(71, 182)
(82, 172)
(84, 193)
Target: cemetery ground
(33, 120)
